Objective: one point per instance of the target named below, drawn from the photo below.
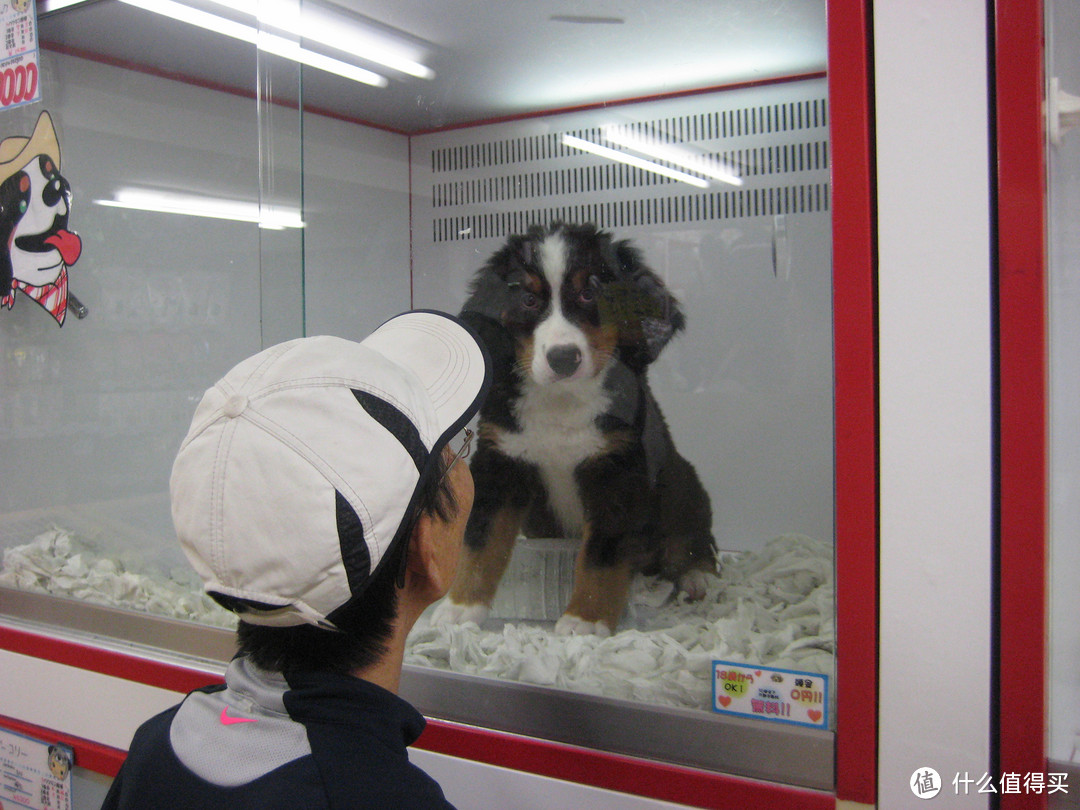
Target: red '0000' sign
(18, 84)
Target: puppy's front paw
(450, 612)
(570, 625)
(694, 584)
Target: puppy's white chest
(558, 432)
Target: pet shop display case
(226, 197)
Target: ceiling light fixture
(271, 43)
(319, 24)
(586, 19)
(680, 156)
(272, 217)
(631, 160)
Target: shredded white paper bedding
(61, 564)
(773, 607)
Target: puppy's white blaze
(556, 329)
(553, 252)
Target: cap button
(234, 405)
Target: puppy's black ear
(489, 299)
(646, 315)
(489, 293)
(497, 340)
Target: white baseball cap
(304, 463)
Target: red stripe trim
(1022, 348)
(855, 358)
(88, 754)
(585, 766)
(798, 77)
(637, 777)
(105, 662)
(151, 70)
(176, 76)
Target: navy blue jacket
(315, 740)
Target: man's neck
(386, 672)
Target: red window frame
(1019, 91)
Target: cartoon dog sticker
(36, 247)
(60, 760)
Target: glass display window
(229, 196)
(745, 263)
(1063, 282)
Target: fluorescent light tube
(280, 46)
(271, 43)
(321, 25)
(695, 162)
(631, 160)
(166, 202)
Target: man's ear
(424, 560)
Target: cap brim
(447, 358)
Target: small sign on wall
(18, 54)
(782, 695)
(33, 773)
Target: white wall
(935, 393)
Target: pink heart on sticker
(814, 715)
(724, 701)
(758, 673)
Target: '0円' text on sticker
(781, 695)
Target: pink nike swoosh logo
(228, 721)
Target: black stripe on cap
(355, 555)
(400, 426)
(354, 550)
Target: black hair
(365, 624)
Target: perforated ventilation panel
(491, 185)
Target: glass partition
(228, 196)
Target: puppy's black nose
(564, 360)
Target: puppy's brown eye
(590, 292)
(530, 301)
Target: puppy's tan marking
(600, 593)
(480, 570)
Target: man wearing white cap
(317, 494)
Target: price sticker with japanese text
(767, 693)
(34, 774)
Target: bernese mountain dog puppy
(570, 441)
